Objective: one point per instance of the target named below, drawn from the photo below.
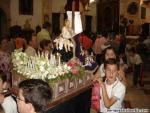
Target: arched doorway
(108, 15)
(108, 18)
(3, 23)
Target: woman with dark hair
(6, 100)
(5, 58)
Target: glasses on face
(16, 97)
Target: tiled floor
(137, 96)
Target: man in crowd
(44, 33)
(33, 96)
(32, 44)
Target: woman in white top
(7, 102)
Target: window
(26, 7)
(143, 12)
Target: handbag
(95, 98)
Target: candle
(38, 54)
(59, 58)
(54, 60)
(59, 61)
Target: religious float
(66, 79)
(71, 80)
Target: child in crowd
(136, 61)
(33, 96)
(46, 47)
(7, 102)
(112, 91)
(110, 53)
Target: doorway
(108, 15)
(108, 18)
(56, 23)
(3, 23)
(88, 23)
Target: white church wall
(56, 6)
(137, 17)
(18, 19)
(92, 12)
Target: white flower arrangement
(38, 67)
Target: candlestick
(59, 59)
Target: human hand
(95, 78)
(101, 83)
(1, 98)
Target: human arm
(121, 77)
(96, 73)
(108, 102)
(1, 98)
(100, 72)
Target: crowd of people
(112, 53)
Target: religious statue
(65, 38)
(67, 41)
(65, 44)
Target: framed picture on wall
(26, 7)
(143, 12)
(132, 8)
